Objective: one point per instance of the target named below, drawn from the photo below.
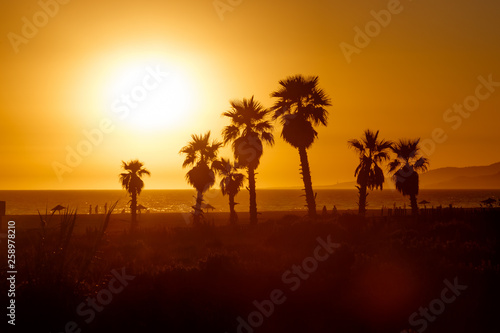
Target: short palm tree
(230, 184)
(405, 168)
(301, 106)
(201, 154)
(372, 152)
(248, 129)
(131, 181)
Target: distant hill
(488, 182)
(476, 177)
(338, 186)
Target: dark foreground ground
(438, 273)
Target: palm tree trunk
(414, 205)
(362, 199)
(253, 196)
(197, 208)
(306, 177)
(133, 209)
(233, 217)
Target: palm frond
(248, 128)
(230, 132)
(300, 96)
(356, 144)
(268, 137)
(393, 165)
(131, 180)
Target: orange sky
(69, 75)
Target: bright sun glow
(150, 95)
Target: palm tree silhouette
(405, 168)
(133, 183)
(230, 184)
(301, 104)
(249, 127)
(201, 154)
(372, 152)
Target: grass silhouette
(204, 278)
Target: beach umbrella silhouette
(207, 206)
(424, 202)
(489, 201)
(57, 208)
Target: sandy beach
(381, 270)
(121, 221)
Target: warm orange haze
(148, 75)
(250, 166)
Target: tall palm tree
(230, 184)
(131, 181)
(301, 106)
(248, 129)
(200, 154)
(372, 152)
(405, 168)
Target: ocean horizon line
(19, 202)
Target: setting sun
(148, 95)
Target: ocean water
(29, 202)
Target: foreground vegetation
(204, 278)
